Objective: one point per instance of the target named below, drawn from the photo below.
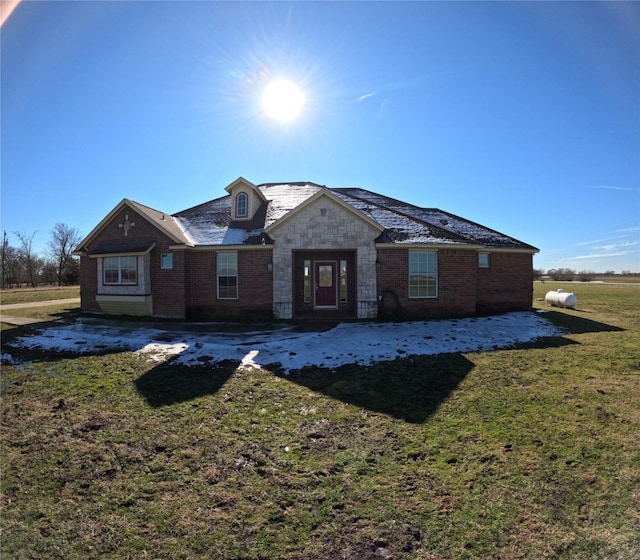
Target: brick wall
(89, 285)
(507, 285)
(456, 285)
(255, 287)
(168, 285)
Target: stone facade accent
(324, 225)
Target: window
(343, 281)
(227, 275)
(307, 282)
(423, 274)
(241, 205)
(120, 270)
(483, 260)
(166, 260)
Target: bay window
(120, 270)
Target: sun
(282, 100)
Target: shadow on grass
(410, 389)
(169, 384)
(578, 325)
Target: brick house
(297, 250)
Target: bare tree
(586, 275)
(10, 263)
(28, 256)
(64, 240)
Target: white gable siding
(324, 225)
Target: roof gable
(324, 192)
(162, 221)
(242, 184)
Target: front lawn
(530, 452)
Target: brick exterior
(270, 281)
(255, 287)
(463, 287)
(89, 285)
(507, 285)
(456, 285)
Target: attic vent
(323, 211)
(444, 222)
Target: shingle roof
(211, 224)
(411, 218)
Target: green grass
(26, 295)
(531, 452)
(64, 312)
(48, 312)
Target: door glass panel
(343, 281)
(325, 273)
(307, 281)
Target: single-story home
(300, 250)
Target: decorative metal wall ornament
(126, 225)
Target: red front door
(326, 284)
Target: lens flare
(282, 100)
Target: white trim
(429, 246)
(224, 248)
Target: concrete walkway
(39, 303)
(19, 321)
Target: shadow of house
(169, 384)
(409, 389)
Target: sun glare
(282, 100)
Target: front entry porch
(324, 284)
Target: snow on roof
(400, 227)
(285, 197)
(456, 226)
(211, 224)
(207, 223)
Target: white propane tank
(560, 298)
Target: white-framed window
(227, 265)
(120, 270)
(166, 261)
(423, 274)
(483, 260)
(242, 205)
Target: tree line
(22, 266)
(569, 275)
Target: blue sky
(524, 117)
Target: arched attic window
(242, 204)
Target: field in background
(25, 295)
(530, 452)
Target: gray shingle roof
(211, 224)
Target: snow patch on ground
(360, 343)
